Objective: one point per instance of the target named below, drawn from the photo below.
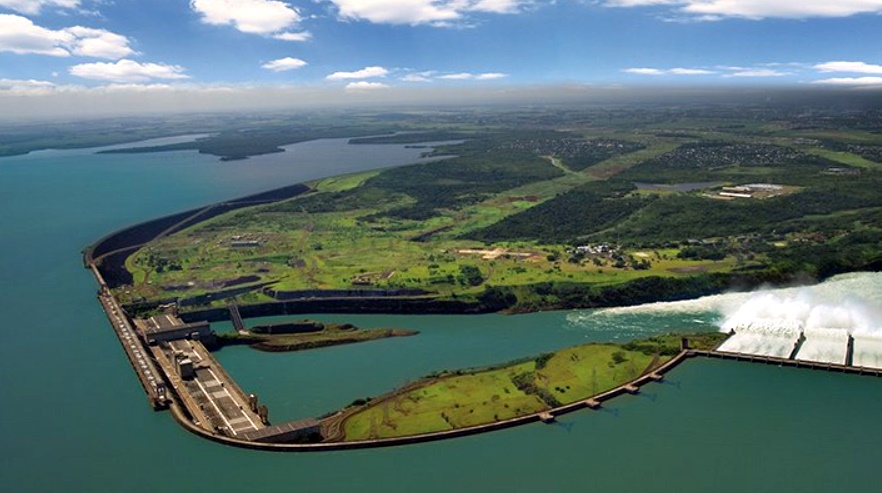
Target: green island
(466, 398)
(521, 210)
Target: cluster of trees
(584, 210)
(477, 172)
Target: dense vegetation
(623, 206)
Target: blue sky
(56, 48)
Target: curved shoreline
(592, 402)
(118, 245)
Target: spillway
(824, 346)
(867, 350)
(764, 337)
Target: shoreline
(116, 246)
(594, 403)
(174, 402)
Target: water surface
(75, 419)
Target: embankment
(109, 253)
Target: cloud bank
(415, 12)
(21, 36)
(33, 7)
(758, 9)
(127, 71)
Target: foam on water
(764, 337)
(824, 345)
(867, 350)
(770, 322)
(862, 288)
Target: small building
(185, 367)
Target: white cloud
(852, 67)
(365, 86)
(33, 7)
(291, 36)
(670, 71)
(365, 73)
(758, 72)
(283, 64)
(425, 76)
(759, 9)
(127, 71)
(98, 43)
(498, 6)
(690, 71)
(644, 71)
(459, 76)
(490, 76)
(20, 35)
(248, 16)
(470, 76)
(851, 81)
(434, 12)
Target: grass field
(461, 399)
(447, 403)
(482, 397)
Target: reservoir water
(73, 417)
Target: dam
(174, 365)
(800, 328)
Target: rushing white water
(867, 350)
(863, 288)
(771, 321)
(824, 345)
(763, 337)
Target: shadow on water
(614, 411)
(568, 426)
(673, 383)
(645, 395)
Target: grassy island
(460, 399)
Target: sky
(130, 54)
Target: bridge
(236, 319)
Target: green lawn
(486, 396)
(447, 403)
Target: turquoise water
(74, 418)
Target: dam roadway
(150, 377)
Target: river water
(73, 417)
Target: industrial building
(167, 327)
